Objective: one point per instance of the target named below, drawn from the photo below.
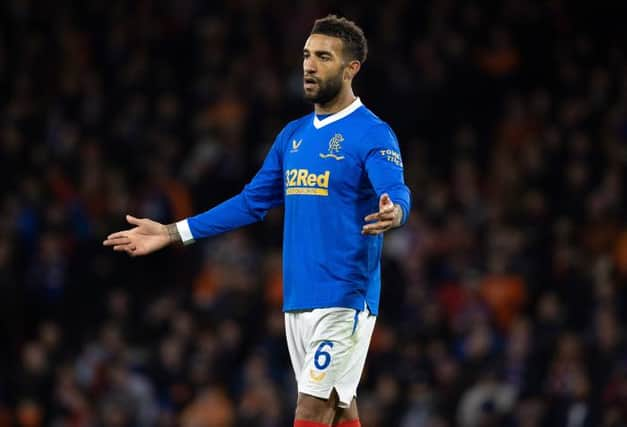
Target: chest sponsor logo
(335, 145)
(301, 181)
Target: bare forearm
(173, 233)
(398, 216)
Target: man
(337, 171)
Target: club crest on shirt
(334, 147)
(295, 145)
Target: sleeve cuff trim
(185, 232)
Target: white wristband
(184, 231)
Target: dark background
(504, 296)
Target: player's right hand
(147, 236)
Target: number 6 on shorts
(324, 355)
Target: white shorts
(328, 348)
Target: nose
(309, 66)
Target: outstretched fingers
(372, 217)
(377, 227)
(128, 240)
(119, 238)
(129, 248)
(383, 215)
(125, 248)
(133, 220)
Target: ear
(351, 69)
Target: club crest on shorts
(334, 147)
(316, 376)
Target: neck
(341, 101)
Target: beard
(326, 90)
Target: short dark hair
(355, 43)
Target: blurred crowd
(503, 296)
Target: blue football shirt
(329, 174)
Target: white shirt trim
(337, 116)
(185, 232)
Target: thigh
(319, 410)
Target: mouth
(309, 82)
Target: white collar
(337, 116)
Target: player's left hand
(389, 216)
